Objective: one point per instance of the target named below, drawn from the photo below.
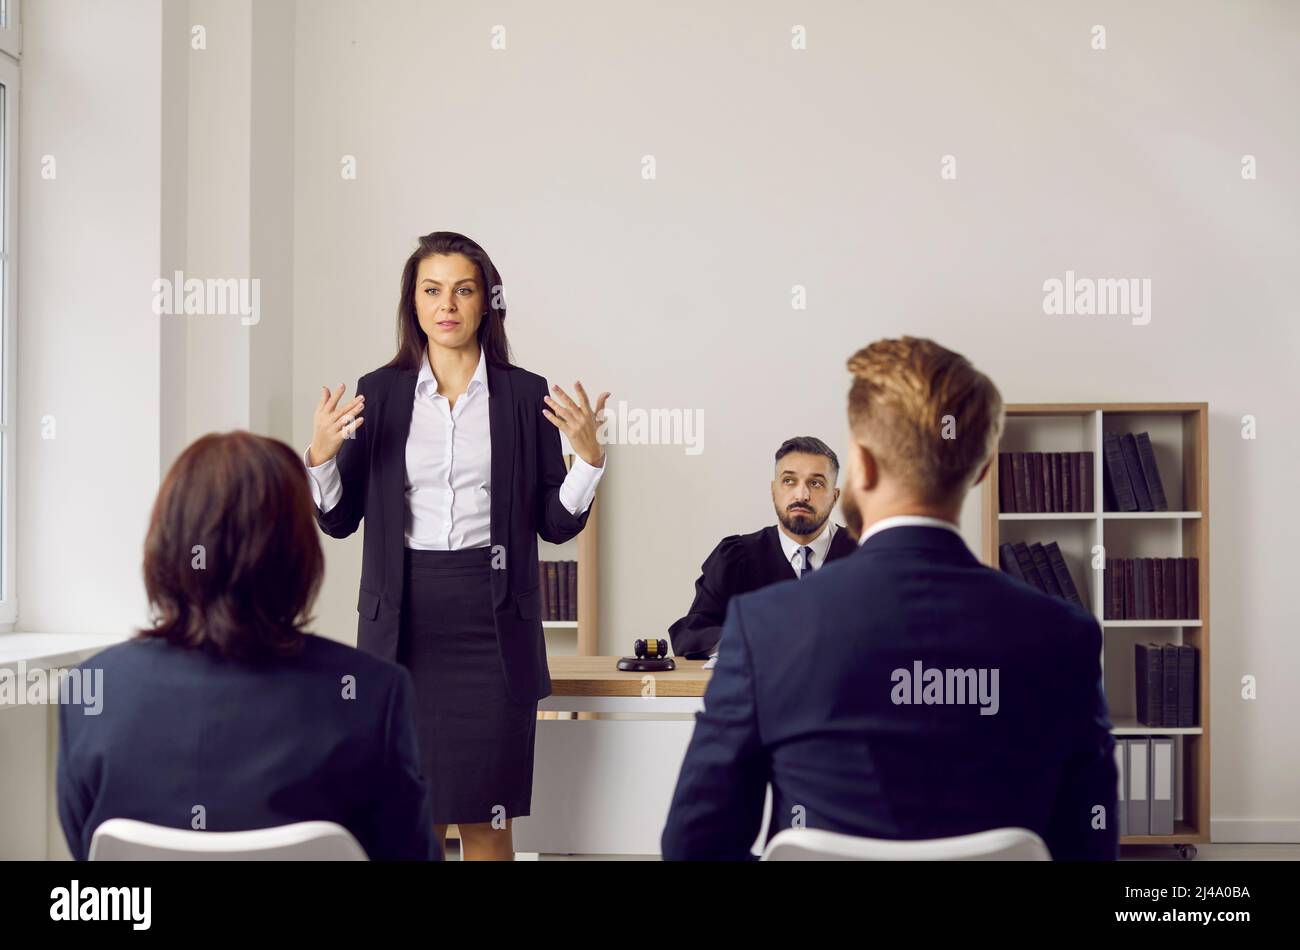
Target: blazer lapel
(502, 422)
(390, 462)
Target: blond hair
(929, 417)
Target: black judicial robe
(739, 564)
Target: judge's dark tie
(807, 562)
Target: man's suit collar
(918, 537)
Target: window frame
(9, 78)
(11, 32)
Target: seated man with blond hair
(906, 691)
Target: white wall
(821, 168)
(88, 341)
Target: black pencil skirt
(476, 742)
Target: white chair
(1000, 844)
(124, 839)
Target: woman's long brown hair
(412, 340)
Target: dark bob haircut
(232, 561)
(412, 340)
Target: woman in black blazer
(225, 714)
(452, 456)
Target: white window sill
(46, 650)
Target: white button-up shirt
(449, 469)
(820, 545)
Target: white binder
(1139, 803)
(1162, 785)
(1121, 755)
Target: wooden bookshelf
(1180, 437)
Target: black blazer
(816, 714)
(255, 744)
(527, 471)
(739, 564)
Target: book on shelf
(1068, 493)
(1169, 701)
(1045, 572)
(1020, 482)
(1158, 587)
(1117, 477)
(1025, 563)
(1051, 491)
(1128, 448)
(562, 583)
(1044, 482)
(1062, 573)
(1171, 588)
(559, 582)
(1085, 472)
(1148, 682)
(1041, 566)
(1133, 481)
(1165, 684)
(1147, 588)
(1188, 661)
(1150, 473)
(1006, 483)
(1009, 564)
(553, 590)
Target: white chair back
(124, 839)
(1000, 844)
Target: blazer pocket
(529, 603)
(368, 604)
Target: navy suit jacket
(804, 693)
(254, 745)
(527, 472)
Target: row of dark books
(1152, 588)
(1164, 680)
(559, 590)
(1045, 481)
(1132, 481)
(1041, 566)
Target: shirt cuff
(579, 486)
(326, 486)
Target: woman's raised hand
(332, 423)
(578, 421)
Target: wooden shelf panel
(1046, 516)
(1180, 433)
(1151, 623)
(1145, 515)
(1086, 408)
(1183, 834)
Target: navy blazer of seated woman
(527, 471)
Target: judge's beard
(802, 524)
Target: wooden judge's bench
(602, 784)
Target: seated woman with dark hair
(226, 715)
